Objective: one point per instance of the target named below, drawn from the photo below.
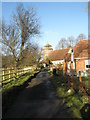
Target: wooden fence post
(22, 71)
(3, 70)
(80, 77)
(13, 73)
(17, 73)
(29, 70)
(81, 85)
(9, 74)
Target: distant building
(77, 59)
(57, 56)
(46, 50)
(81, 54)
(81, 57)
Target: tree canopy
(70, 41)
(17, 35)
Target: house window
(87, 66)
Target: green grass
(18, 82)
(86, 78)
(10, 97)
(50, 72)
(12, 76)
(69, 96)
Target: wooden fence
(77, 83)
(9, 74)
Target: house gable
(81, 49)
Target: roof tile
(58, 54)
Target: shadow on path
(38, 100)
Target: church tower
(46, 50)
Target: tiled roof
(81, 49)
(84, 53)
(58, 54)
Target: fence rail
(77, 83)
(9, 74)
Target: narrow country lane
(38, 100)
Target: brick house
(57, 56)
(81, 57)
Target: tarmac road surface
(38, 100)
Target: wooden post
(75, 66)
(29, 70)
(9, 74)
(13, 74)
(73, 78)
(81, 85)
(3, 73)
(80, 77)
(17, 72)
(63, 68)
(22, 71)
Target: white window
(87, 64)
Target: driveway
(38, 100)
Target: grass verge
(79, 105)
(12, 90)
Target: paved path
(38, 100)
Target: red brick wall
(80, 65)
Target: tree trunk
(15, 69)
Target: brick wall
(80, 65)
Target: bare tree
(18, 34)
(61, 44)
(7, 61)
(31, 55)
(80, 37)
(70, 41)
